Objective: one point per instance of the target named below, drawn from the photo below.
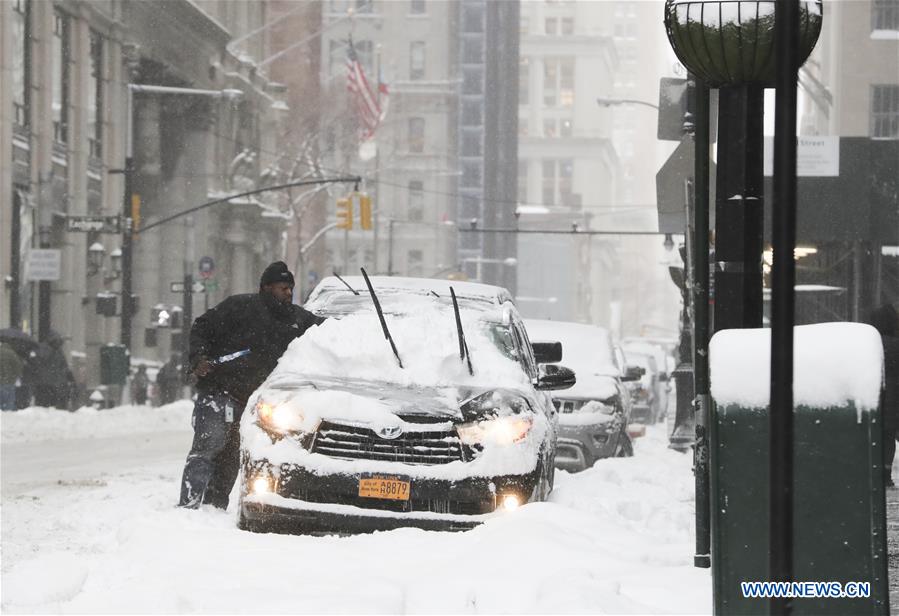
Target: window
(567, 25)
(416, 60)
(550, 26)
(471, 175)
(523, 26)
(473, 51)
(471, 143)
(558, 82)
(417, 7)
(471, 113)
(95, 97)
(337, 55)
(416, 200)
(414, 262)
(549, 128)
(565, 128)
(558, 182)
(549, 182)
(417, 135)
(473, 18)
(885, 112)
(59, 58)
(472, 82)
(524, 73)
(522, 181)
(21, 62)
(522, 127)
(885, 15)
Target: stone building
(65, 116)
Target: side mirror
(633, 373)
(555, 377)
(547, 352)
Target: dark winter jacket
(252, 321)
(886, 321)
(47, 365)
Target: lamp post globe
(730, 42)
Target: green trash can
(839, 508)
(114, 362)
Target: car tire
(625, 448)
(543, 486)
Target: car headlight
(501, 430)
(595, 406)
(283, 417)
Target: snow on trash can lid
(834, 364)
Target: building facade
(410, 164)
(66, 115)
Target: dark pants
(52, 396)
(214, 459)
(8, 397)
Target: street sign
(670, 190)
(207, 267)
(97, 224)
(817, 156)
(178, 287)
(43, 264)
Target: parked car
(643, 389)
(663, 364)
(452, 428)
(594, 414)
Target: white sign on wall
(815, 157)
(43, 264)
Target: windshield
(354, 348)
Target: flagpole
(377, 186)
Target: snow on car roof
(391, 284)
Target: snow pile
(834, 364)
(354, 347)
(613, 539)
(38, 424)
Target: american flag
(371, 107)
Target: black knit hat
(276, 272)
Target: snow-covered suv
(415, 414)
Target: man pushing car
(233, 348)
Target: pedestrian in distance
(233, 348)
(168, 380)
(886, 321)
(11, 368)
(139, 383)
(48, 373)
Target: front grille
(568, 406)
(356, 443)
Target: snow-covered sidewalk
(89, 526)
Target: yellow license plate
(384, 487)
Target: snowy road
(88, 525)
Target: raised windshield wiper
(463, 346)
(387, 335)
(355, 292)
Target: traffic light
(364, 211)
(345, 214)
